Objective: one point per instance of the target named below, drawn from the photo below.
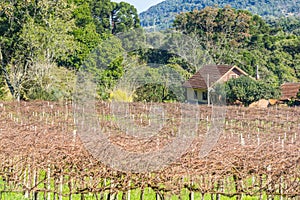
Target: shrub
(248, 90)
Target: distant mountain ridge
(162, 15)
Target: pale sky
(141, 5)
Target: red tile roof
(211, 72)
(289, 90)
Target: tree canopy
(247, 90)
(240, 38)
(36, 36)
(162, 15)
(44, 43)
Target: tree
(85, 34)
(49, 82)
(32, 32)
(105, 63)
(112, 18)
(290, 24)
(247, 90)
(162, 15)
(237, 37)
(101, 12)
(124, 17)
(96, 21)
(221, 31)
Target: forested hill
(163, 14)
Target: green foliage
(41, 39)
(151, 92)
(32, 32)
(162, 57)
(124, 17)
(218, 94)
(85, 35)
(247, 90)
(159, 84)
(239, 38)
(156, 92)
(290, 24)
(97, 20)
(121, 96)
(110, 17)
(50, 83)
(105, 63)
(57, 33)
(161, 16)
(163, 75)
(225, 28)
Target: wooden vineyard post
(203, 185)
(269, 187)
(207, 124)
(61, 180)
(70, 185)
(219, 189)
(191, 195)
(280, 187)
(142, 194)
(74, 137)
(202, 196)
(128, 193)
(35, 193)
(157, 197)
(260, 187)
(26, 181)
(48, 182)
(45, 186)
(237, 186)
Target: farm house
(198, 86)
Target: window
(195, 94)
(204, 95)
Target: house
(198, 86)
(289, 91)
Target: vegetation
(39, 36)
(247, 90)
(161, 16)
(286, 24)
(240, 38)
(44, 44)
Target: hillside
(162, 14)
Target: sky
(141, 5)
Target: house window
(204, 95)
(233, 76)
(195, 94)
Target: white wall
(191, 97)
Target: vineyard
(42, 156)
